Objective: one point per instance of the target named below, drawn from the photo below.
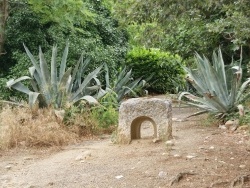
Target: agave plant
(122, 85)
(56, 88)
(219, 87)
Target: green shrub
(94, 118)
(4, 90)
(106, 114)
(245, 120)
(168, 75)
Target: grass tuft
(32, 128)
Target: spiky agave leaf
(46, 86)
(73, 77)
(220, 88)
(45, 75)
(64, 60)
(54, 69)
(33, 60)
(16, 84)
(240, 98)
(87, 98)
(85, 83)
(126, 89)
(40, 72)
(54, 89)
(123, 78)
(123, 85)
(33, 98)
(63, 86)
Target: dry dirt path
(201, 157)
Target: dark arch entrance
(136, 127)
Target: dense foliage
(99, 38)
(163, 68)
(65, 13)
(186, 26)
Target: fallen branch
(240, 180)
(179, 176)
(196, 114)
(12, 103)
(219, 184)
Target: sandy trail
(210, 157)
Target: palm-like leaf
(219, 87)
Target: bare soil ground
(202, 156)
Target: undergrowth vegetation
(38, 128)
(25, 127)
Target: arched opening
(140, 122)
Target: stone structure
(134, 112)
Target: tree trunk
(3, 17)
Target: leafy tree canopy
(66, 13)
(96, 35)
(186, 26)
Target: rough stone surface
(134, 112)
(244, 128)
(232, 125)
(169, 143)
(84, 155)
